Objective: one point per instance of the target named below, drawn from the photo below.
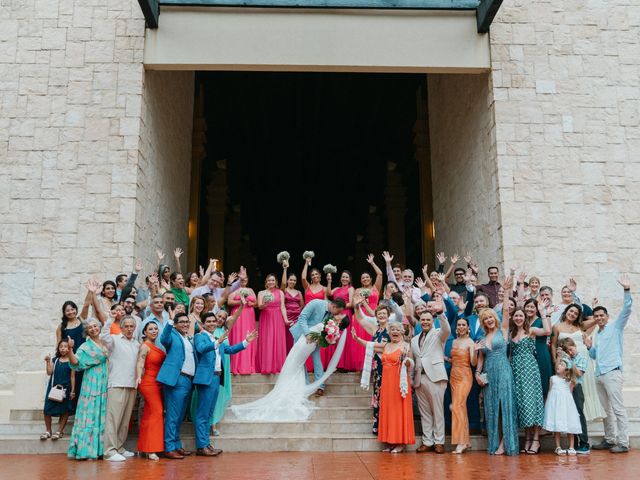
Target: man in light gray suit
(430, 380)
(314, 312)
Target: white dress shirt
(122, 357)
(189, 365)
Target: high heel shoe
(534, 451)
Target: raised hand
(242, 273)
(172, 313)
(71, 342)
(475, 267)
(223, 337)
(467, 276)
(571, 284)
(201, 271)
(329, 277)
(479, 345)
(522, 276)
(47, 358)
(251, 336)
(594, 302)
(508, 283)
(370, 258)
(441, 278)
(233, 276)
(454, 258)
(138, 266)
(420, 283)
(388, 258)
(588, 341)
(285, 264)
(441, 257)
(357, 298)
(548, 309)
(160, 254)
(467, 258)
(178, 252)
(625, 282)
(425, 271)
(512, 271)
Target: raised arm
(546, 322)
(176, 254)
(88, 300)
(327, 289)
(207, 274)
(233, 318)
(105, 334)
(445, 328)
(378, 282)
(377, 347)
(131, 281)
(283, 283)
(303, 275)
(454, 260)
(388, 258)
(370, 324)
(623, 318)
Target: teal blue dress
(224, 392)
(500, 397)
(543, 357)
(526, 377)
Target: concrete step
(335, 388)
(259, 378)
(324, 401)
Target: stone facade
(566, 85)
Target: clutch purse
(484, 378)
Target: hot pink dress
(244, 362)
(272, 343)
(292, 306)
(308, 296)
(350, 359)
(358, 350)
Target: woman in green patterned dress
(86, 440)
(526, 375)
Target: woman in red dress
(293, 300)
(150, 358)
(313, 291)
(272, 341)
(350, 361)
(371, 291)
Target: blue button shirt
(609, 343)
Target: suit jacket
(312, 314)
(172, 365)
(206, 353)
(429, 358)
(475, 329)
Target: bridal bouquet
(268, 297)
(328, 268)
(329, 334)
(365, 292)
(282, 256)
(245, 292)
(308, 254)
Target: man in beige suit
(430, 380)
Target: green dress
(526, 377)
(88, 427)
(543, 357)
(224, 392)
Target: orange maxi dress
(396, 413)
(461, 381)
(151, 439)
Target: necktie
(423, 335)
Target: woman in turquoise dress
(543, 354)
(500, 411)
(86, 440)
(526, 377)
(225, 323)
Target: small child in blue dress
(60, 372)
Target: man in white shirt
(121, 396)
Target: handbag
(484, 378)
(57, 393)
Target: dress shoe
(116, 457)
(205, 452)
(183, 452)
(320, 392)
(425, 448)
(216, 451)
(619, 449)
(174, 455)
(439, 448)
(603, 445)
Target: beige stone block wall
(164, 166)
(566, 83)
(463, 167)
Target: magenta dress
(308, 296)
(272, 340)
(350, 359)
(358, 351)
(292, 306)
(244, 362)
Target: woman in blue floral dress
(86, 440)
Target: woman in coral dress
(150, 358)
(463, 357)
(272, 341)
(350, 361)
(293, 301)
(370, 291)
(395, 427)
(244, 362)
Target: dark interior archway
(305, 160)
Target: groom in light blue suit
(314, 312)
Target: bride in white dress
(289, 399)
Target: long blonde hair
(486, 313)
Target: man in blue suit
(314, 312)
(176, 374)
(210, 350)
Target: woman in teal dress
(500, 411)
(526, 377)
(543, 355)
(86, 440)
(225, 323)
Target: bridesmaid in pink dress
(313, 291)
(272, 340)
(366, 283)
(244, 362)
(349, 361)
(293, 301)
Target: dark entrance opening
(310, 161)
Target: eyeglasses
(182, 321)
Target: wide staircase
(341, 422)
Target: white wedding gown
(288, 401)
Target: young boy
(579, 365)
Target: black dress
(77, 334)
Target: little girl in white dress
(560, 412)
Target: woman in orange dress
(395, 425)
(150, 358)
(463, 357)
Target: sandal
(45, 436)
(534, 451)
(387, 449)
(560, 451)
(57, 436)
(398, 449)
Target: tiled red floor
(328, 466)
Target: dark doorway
(304, 160)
